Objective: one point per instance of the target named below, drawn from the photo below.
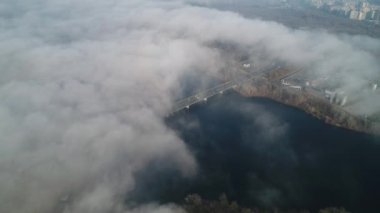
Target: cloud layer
(84, 88)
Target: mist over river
(265, 154)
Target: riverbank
(309, 103)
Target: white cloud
(84, 87)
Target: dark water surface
(265, 154)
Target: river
(264, 154)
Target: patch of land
(306, 99)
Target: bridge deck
(219, 89)
(203, 95)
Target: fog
(263, 154)
(85, 86)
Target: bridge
(202, 96)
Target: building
(354, 14)
(360, 10)
(374, 87)
(362, 16)
(374, 15)
(317, 3)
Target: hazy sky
(85, 85)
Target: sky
(85, 87)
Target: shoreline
(308, 103)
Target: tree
(333, 210)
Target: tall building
(317, 3)
(354, 9)
(374, 15)
(362, 15)
(354, 14)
